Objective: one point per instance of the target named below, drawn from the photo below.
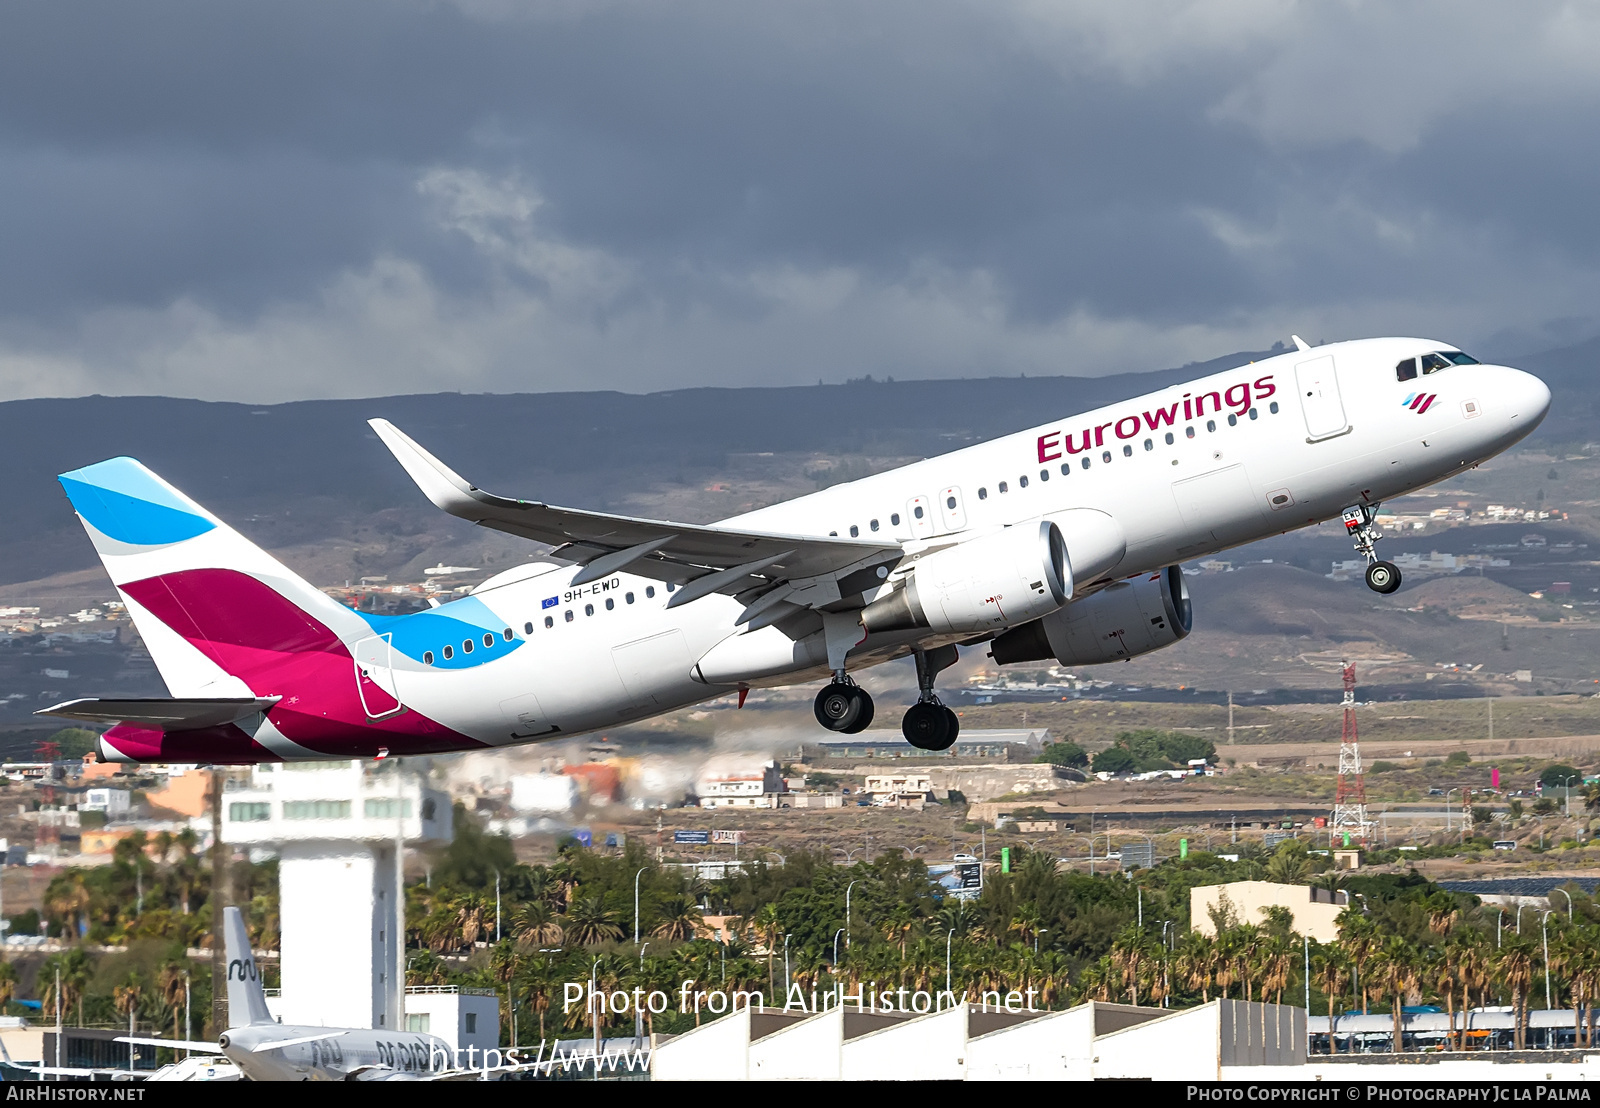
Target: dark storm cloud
(311, 199)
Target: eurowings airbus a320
(1059, 541)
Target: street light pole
(636, 905)
(836, 935)
(1568, 895)
(786, 965)
(847, 914)
(1545, 938)
(1308, 980)
(947, 940)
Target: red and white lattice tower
(1350, 801)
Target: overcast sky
(285, 200)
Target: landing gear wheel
(844, 708)
(1383, 577)
(929, 726)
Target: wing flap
(162, 714)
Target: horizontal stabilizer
(172, 1044)
(160, 713)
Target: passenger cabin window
(488, 640)
(1044, 475)
(983, 494)
(549, 621)
(588, 609)
(628, 597)
(917, 511)
(1273, 407)
(1406, 370)
(1148, 445)
(448, 653)
(466, 646)
(1169, 438)
(610, 604)
(527, 628)
(1085, 463)
(1105, 456)
(671, 586)
(1252, 413)
(649, 591)
(1211, 425)
(427, 657)
(950, 502)
(1066, 468)
(1022, 482)
(894, 520)
(1188, 432)
(1233, 420)
(508, 634)
(855, 532)
(1127, 451)
(873, 525)
(569, 615)
(1004, 487)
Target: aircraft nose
(1526, 398)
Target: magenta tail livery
(1059, 541)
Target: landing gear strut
(1382, 577)
(844, 706)
(928, 724)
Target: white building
(113, 802)
(461, 1017)
(899, 790)
(739, 783)
(543, 793)
(334, 826)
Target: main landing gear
(1382, 577)
(928, 724)
(844, 706)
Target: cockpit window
(1406, 370)
(1458, 358)
(1433, 363)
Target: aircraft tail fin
(247, 1003)
(210, 605)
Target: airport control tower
(338, 829)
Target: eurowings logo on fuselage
(1419, 402)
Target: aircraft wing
(161, 713)
(703, 559)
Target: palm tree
(680, 918)
(1446, 978)
(533, 924)
(8, 984)
(767, 927)
(589, 921)
(1335, 971)
(126, 998)
(1515, 964)
(1396, 966)
(1358, 936)
(173, 983)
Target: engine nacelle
(1003, 579)
(1133, 616)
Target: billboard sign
(691, 836)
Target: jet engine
(1133, 616)
(1003, 579)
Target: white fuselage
(1311, 433)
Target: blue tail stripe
(131, 519)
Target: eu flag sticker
(550, 602)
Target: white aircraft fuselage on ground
(1058, 541)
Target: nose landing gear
(1382, 577)
(928, 724)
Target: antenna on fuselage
(1300, 342)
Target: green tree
(1064, 754)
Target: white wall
(1057, 1047)
(336, 902)
(928, 1048)
(447, 1017)
(810, 1050)
(1181, 1047)
(716, 1051)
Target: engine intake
(1133, 616)
(1003, 579)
